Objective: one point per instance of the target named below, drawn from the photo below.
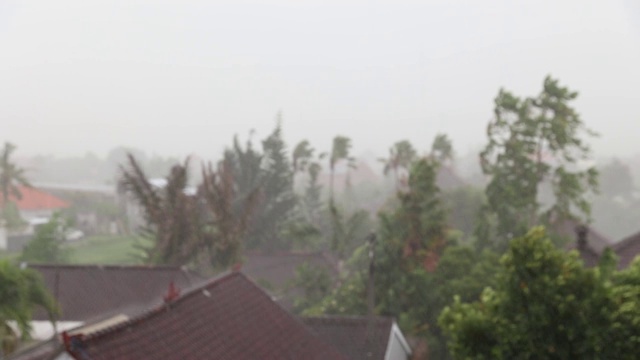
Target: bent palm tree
(11, 176)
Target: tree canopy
(546, 305)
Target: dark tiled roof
(596, 241)
(228, 318)
(592, 250)
(356, 337)
(274, 271)
(627, 250)
(86, 292)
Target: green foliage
(21, 290)
(347, 230)
(347, 299)
(401, 155)
(12, 217)
(339, 151)
(11, 176)
(523, 134)
(47, 244)
(316, 284)
(546, 305)
(270, 174)
(463, 204)
(204, 230)
(442, 149)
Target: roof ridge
(626, 241)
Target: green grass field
(106, 250)
(99, 249)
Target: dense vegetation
(470, 273)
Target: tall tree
(302, 156)
(339, 151)
(533, 141)
(172, 216)
(271, 174)
(227, 218)
(401, 156)
(442, 148)
(11, 176)
(546, 305)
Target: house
(276, 271)
(86, 293)
(589, 243)
(228, 317)
(362, 338)
(36, 205)
(627, 249)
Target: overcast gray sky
(177, 77)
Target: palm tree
(171, 215)
(206, 227)
(339, 151)
(11, 176)
(228, 215)
(401, 156)
(442, 149)
(301, 156)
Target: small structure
(362, 338)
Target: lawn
(106, 250)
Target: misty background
(79, 80)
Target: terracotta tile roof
(34, 199)
(86, 292)
(627, 250)
(274, 271)
(228, 318)
(356, 337)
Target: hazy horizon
(175, 78)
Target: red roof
(34, 199)
(88, 292)
(228, 318)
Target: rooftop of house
(34, 199)
(88, 292)
(589, 242)
(275, 271)
(627, 249)
(357, 337)
(226, 318)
